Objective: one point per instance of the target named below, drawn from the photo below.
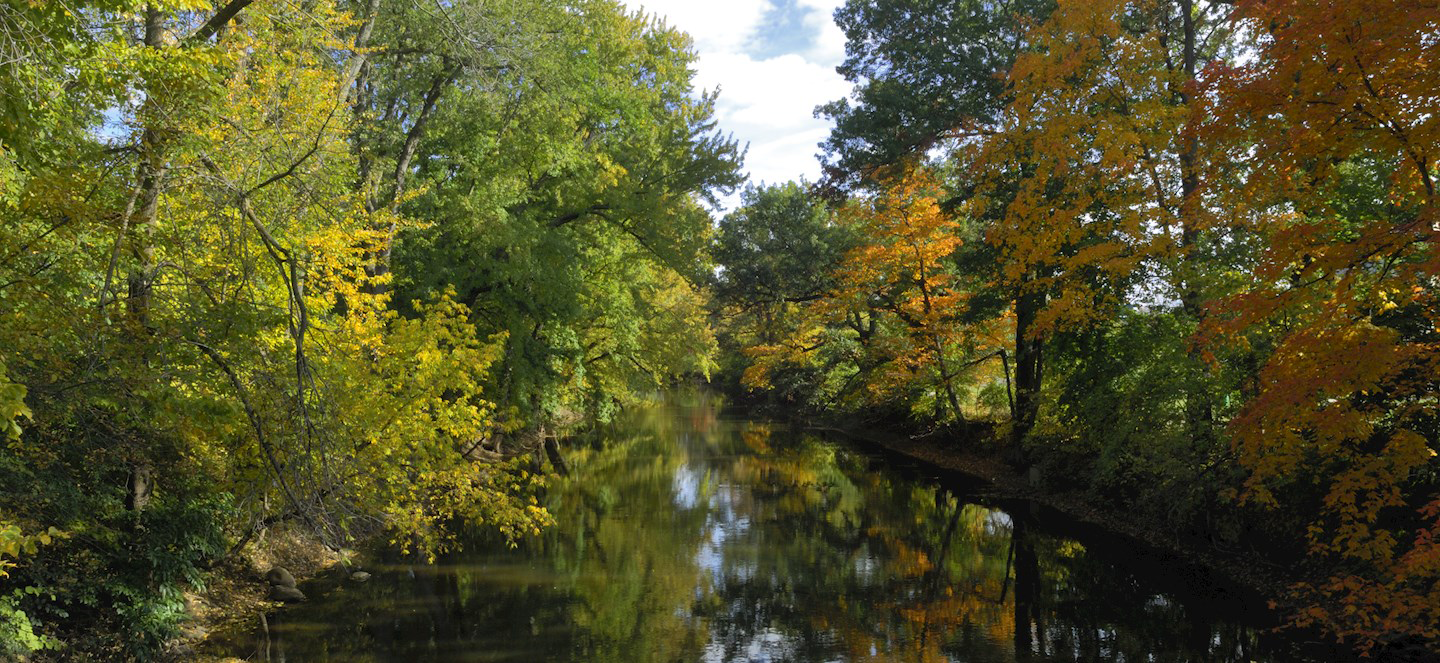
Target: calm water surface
(688, 536)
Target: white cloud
(768, 102)
(771, 103)
(716, 27)
(829, 48)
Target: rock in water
(279, 577)
(285, 594)
(359, 576)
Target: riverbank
(1248, 571)
(236, 599)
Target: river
(687, 535)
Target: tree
(1093, 173)
(927, 74)
(780, 246)
(894, 318)
(931, 77)
(564, 185)
(777, 254)
(198, 299)
(900, 268)
(1331, 121)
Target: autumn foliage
(1207, 233)
(1337, 111)
(894, 316)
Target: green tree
(563, 193)
(777, 253)
(927, 74)
(198, 204)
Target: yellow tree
(1090, 177)
(201, 290)
(356, 415)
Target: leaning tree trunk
(552, 451)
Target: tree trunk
(1189, 176)
(140, 488)
(152, 174)
(1029, 373)
(1200, 415)
(948, 379)
(380, 266)
(945, 376)
(552, 451)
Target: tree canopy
(341, 264)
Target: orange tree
(898, 308)
(1335, 119)
(902, 271)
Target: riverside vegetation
(344, 265)
(331, 264)
(1179, 255)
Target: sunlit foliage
(1336, 117)
(204, 332)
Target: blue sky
(774, 62)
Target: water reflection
(685, 537)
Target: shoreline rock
(279, 576)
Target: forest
(352, 267)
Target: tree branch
(218, 21)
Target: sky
(773, 62)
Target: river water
(686, 535)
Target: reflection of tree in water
(857, 565)
(682, 537)
(625, 546)
(860, 565)
(1083, 608)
